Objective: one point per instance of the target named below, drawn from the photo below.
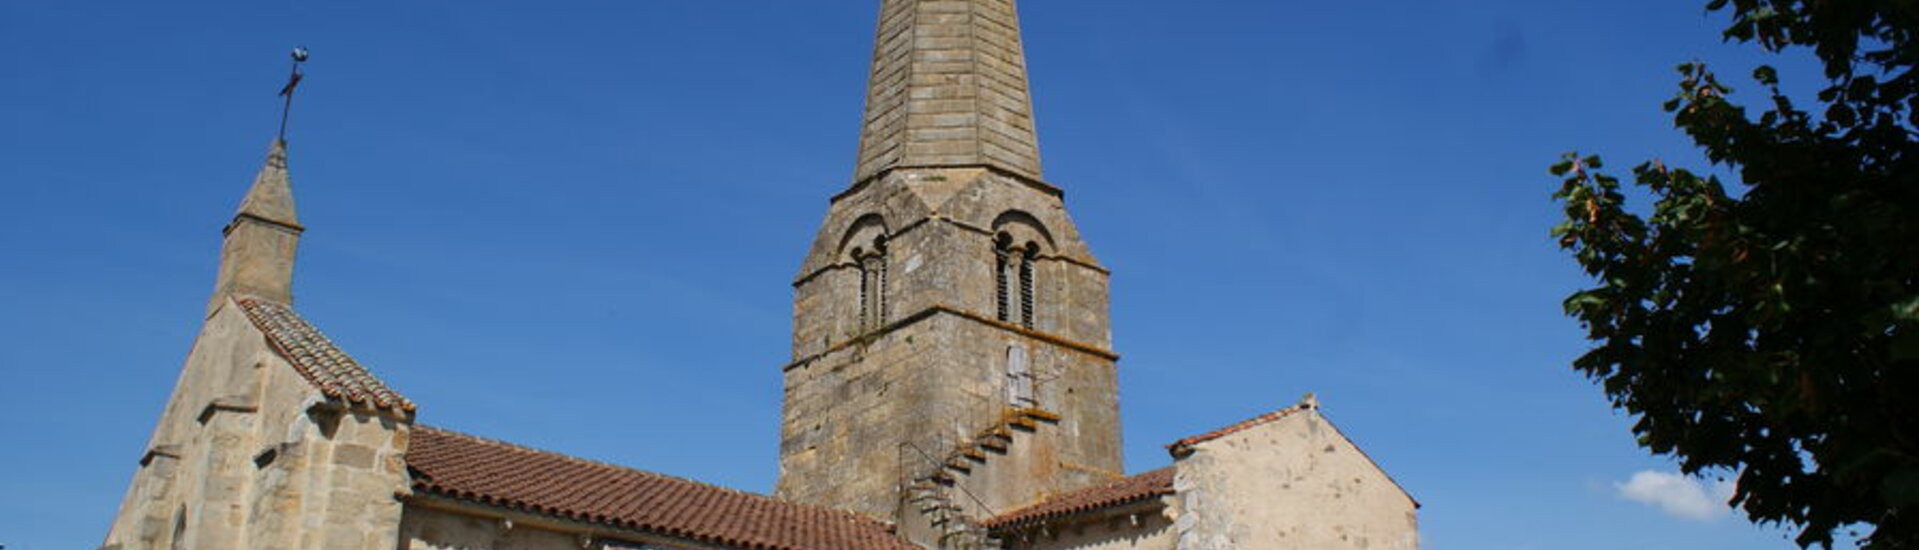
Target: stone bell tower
(948, 310)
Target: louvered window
(1003, 262)
(1013, 267)
(872, 266)
(1026, 288)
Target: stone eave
(511, 518)
(1132, 508)
(1023, 179)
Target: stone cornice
(511, 518)
(1054, 525)
(169, 451)
(231, 403)
(938, 309)
(1023, 179)
(293, 228)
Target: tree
(1772, 332)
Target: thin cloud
(1679, 496)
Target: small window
(872, 265)
(1026, 285)
(1002, 250)
(1013, 274)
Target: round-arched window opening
(1013, 274)
(872, 271)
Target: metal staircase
(936, 502)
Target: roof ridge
(572, 458)
(606, 464)
(1064, 505)
(495, 473)
(1237, 427)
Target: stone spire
(948, 295)
(256, 257)
(948, 89)
(271, 197)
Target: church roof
(495, 473)
(317, 359)
(1179, 446)
(1140, 487)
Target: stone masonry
(952, 384)
(948, 89)
(1288, 479)
(903, 343)
(261, 446)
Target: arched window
(872, 265)
(1026, 284)
(1013, 279)
(1002, 254)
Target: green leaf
(1901, 489)
(1907, 309)
(1720, 321)
(1562, 167)
(1582, 301)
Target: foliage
(1773, 331)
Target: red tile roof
(1177, 446)
(323, 364)
(1126, 491)
(494, 473)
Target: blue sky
(573, 225)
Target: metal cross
(299, 56)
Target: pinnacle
(271, 197)
(948, 89)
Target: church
(952, 384)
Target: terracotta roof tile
(1126, 491)
(495, 473)
(1177, 446)
(323, 364)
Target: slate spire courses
(948, 89)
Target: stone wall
(248, 454)
(431, 523)
(940, 226)
(1294, 482)
(1144, 526)
(427, 529)
(933, 385)
(863, 400)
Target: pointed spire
(271, 197)
(948, 88)
(256, 258)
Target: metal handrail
(938, 465)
